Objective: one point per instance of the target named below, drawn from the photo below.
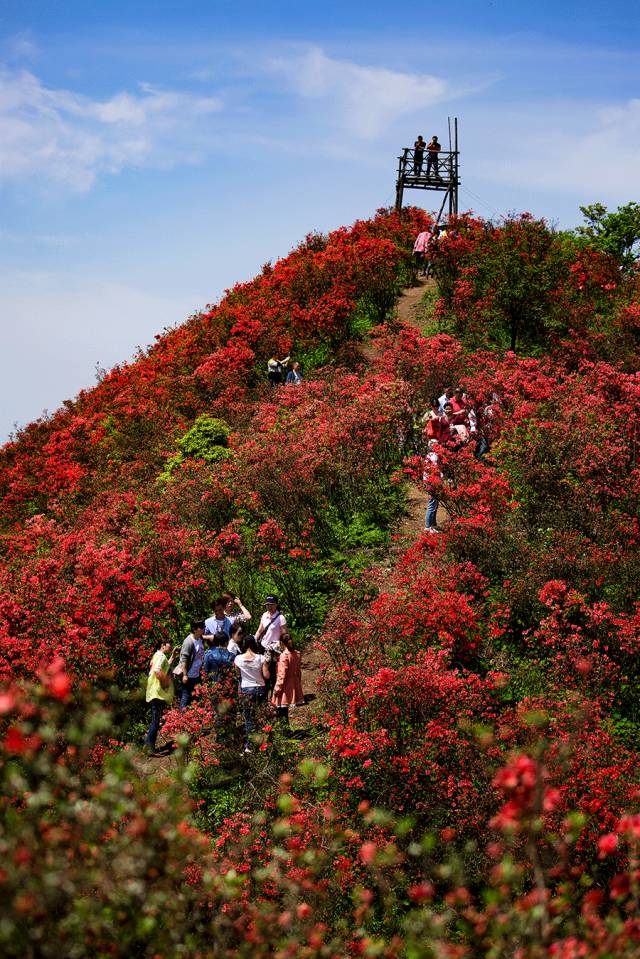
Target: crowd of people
(267, 665)
(455, 420)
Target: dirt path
(410, 523)
(408, 528)
(409, 305)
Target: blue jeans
(157, 709)
(250, 698)
(432, 510)
(482, 448)
(186, 693)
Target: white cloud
(369, 99)
(579, 148)
(70, 138)
(19, 47)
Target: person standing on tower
(433, 149)
(418, 155)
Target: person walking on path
(253, 668)
(159, 689)
(190, 664)
(432, 468)
(288, 686)
(420, 248)
(433, 149)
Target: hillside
(466, 781)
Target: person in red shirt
(458, 404)
(437, 427)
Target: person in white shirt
(253, 668)
(446, 396)
(235, 639)
(272, 625)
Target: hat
(270, 599)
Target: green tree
(500, 281)
(616, 233)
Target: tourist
(275, 369)
(436, 427)
(294, 376)
(458, 400)
(218, 660)
(420, 247)
(445, 398)
(433, 149)
(219, 621)
(190, 664)
(235, 611)
(432, 464)
(430, 249)
(160, 689)
(272, 626)
(235, 638)
(287, 690)
(253, 668)
(418, 155)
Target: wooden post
(456, 178)
(400, 182)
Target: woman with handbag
(159, 689)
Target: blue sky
(153, 154)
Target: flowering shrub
(469, 785)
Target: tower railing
(439, 172)
(443, 171)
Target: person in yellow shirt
(159, 689)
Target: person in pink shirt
(458, 404)
(422, 242)
(288, 686)
(420, 247)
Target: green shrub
(207, 440)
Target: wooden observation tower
(443, 176)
